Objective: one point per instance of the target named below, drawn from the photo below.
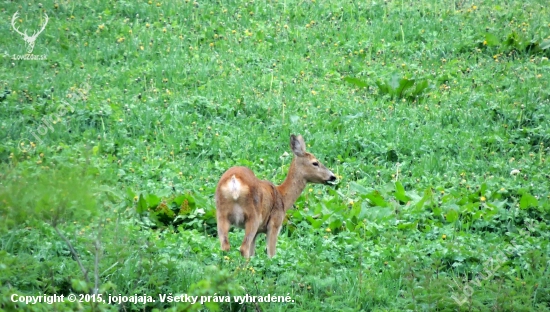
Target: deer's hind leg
(223, 232)
(253, 245)
(250, 232)
(224, 224)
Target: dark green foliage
(433, 114)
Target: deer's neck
(292, 187)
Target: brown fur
(259, 206)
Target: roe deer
(259, 206)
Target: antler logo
(29, 40)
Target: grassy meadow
(434, 115)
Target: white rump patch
(234, 188)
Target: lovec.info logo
(29, 40)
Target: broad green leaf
(130, 193)
(404, 84)
(427, 197)
(491, 40)
(355, 209)
(316, 224)
(335, 224)
(477, 215)
(141, 204)
(470, 207)
(376, 213)
(190, 201)
(545, 44)
(420, 87)
(179, 200)
(408, 225)
(384, 87)
(527, 200)
(358, 188)
(514, 40)
(452, 216)
(483, 189)
(376, 199)
(400, 192)
(357, 82)
(152, 200)
(164, 210)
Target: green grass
(422, 108)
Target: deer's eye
(316, 164)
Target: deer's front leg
(273, 229)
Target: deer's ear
(297, 145)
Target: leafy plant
(518, 42)
(191, 211)
(397, 87)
